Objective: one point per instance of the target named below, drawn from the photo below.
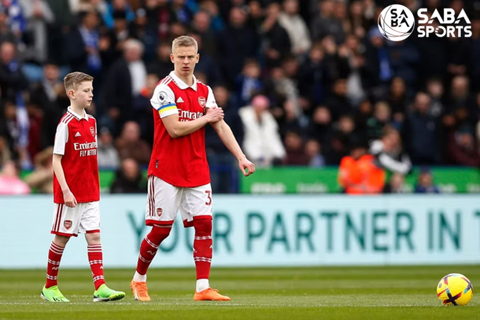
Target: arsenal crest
(159, 212)
(201, 100)
(67, 224)
(92, 131)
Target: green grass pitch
(257, 293)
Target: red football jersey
(182, 162)
(76, 140)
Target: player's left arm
(226, 135)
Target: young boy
(76, 189)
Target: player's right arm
(61, 138)
(163, 100)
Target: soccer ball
(455, 289)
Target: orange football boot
(140, 291)
(211, 295)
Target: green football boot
(104, 293)
(53, 294)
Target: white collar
(182, 85)
(76, 115)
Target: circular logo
(162, 96)
(396, 22)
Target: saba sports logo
(397, 22)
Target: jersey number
(209, 195)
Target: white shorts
(164, 200)
(84, 218)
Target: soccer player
(76, 189)
(178, 174)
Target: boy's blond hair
(73, 79)
(184, 41)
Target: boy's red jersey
(76, 140)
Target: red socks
(149, 247)
(96, 264)
(94, 258)
(202, 247)
(54, 257)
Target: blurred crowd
(308, 83)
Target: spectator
(358, 173)
(337, 103)
(320, 126)
(142, 112)
(381, 117)
(314, 75)
(129, 179)
(358, 23)
(112, 41)
(237, 43)
(425, 183)
(10, 182)
(207, 65)
(325, 23)
(201, 26)
(462, 149)
(389, 154)
(398, 100)
(396, 184)
(182, 12)
(6, 34)
(340, 139)
(296, 28)
(276, 39)
(377, 71)
(12, 79)
(404, 58)
(221, 161)
(107, 154)
(313, 151)
(291, 118)
(258, 122)
(280, 88)
(49, 94)
(211, 7)
(160, 17)
(82, 45)
(433, 53)
(256, 14)
(460, 97)
(177, 29)
(38, 15)
(422, 132)
(14, 128)
(161, 65)
(351, 52)
(16, 18)
(125, 80)
(114, 8)
(294, 148)
(41, 179)
(249, 82)
(435, 91)
(129, 144)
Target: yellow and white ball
(455, 289)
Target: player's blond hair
(73, 79)
(184, 41)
